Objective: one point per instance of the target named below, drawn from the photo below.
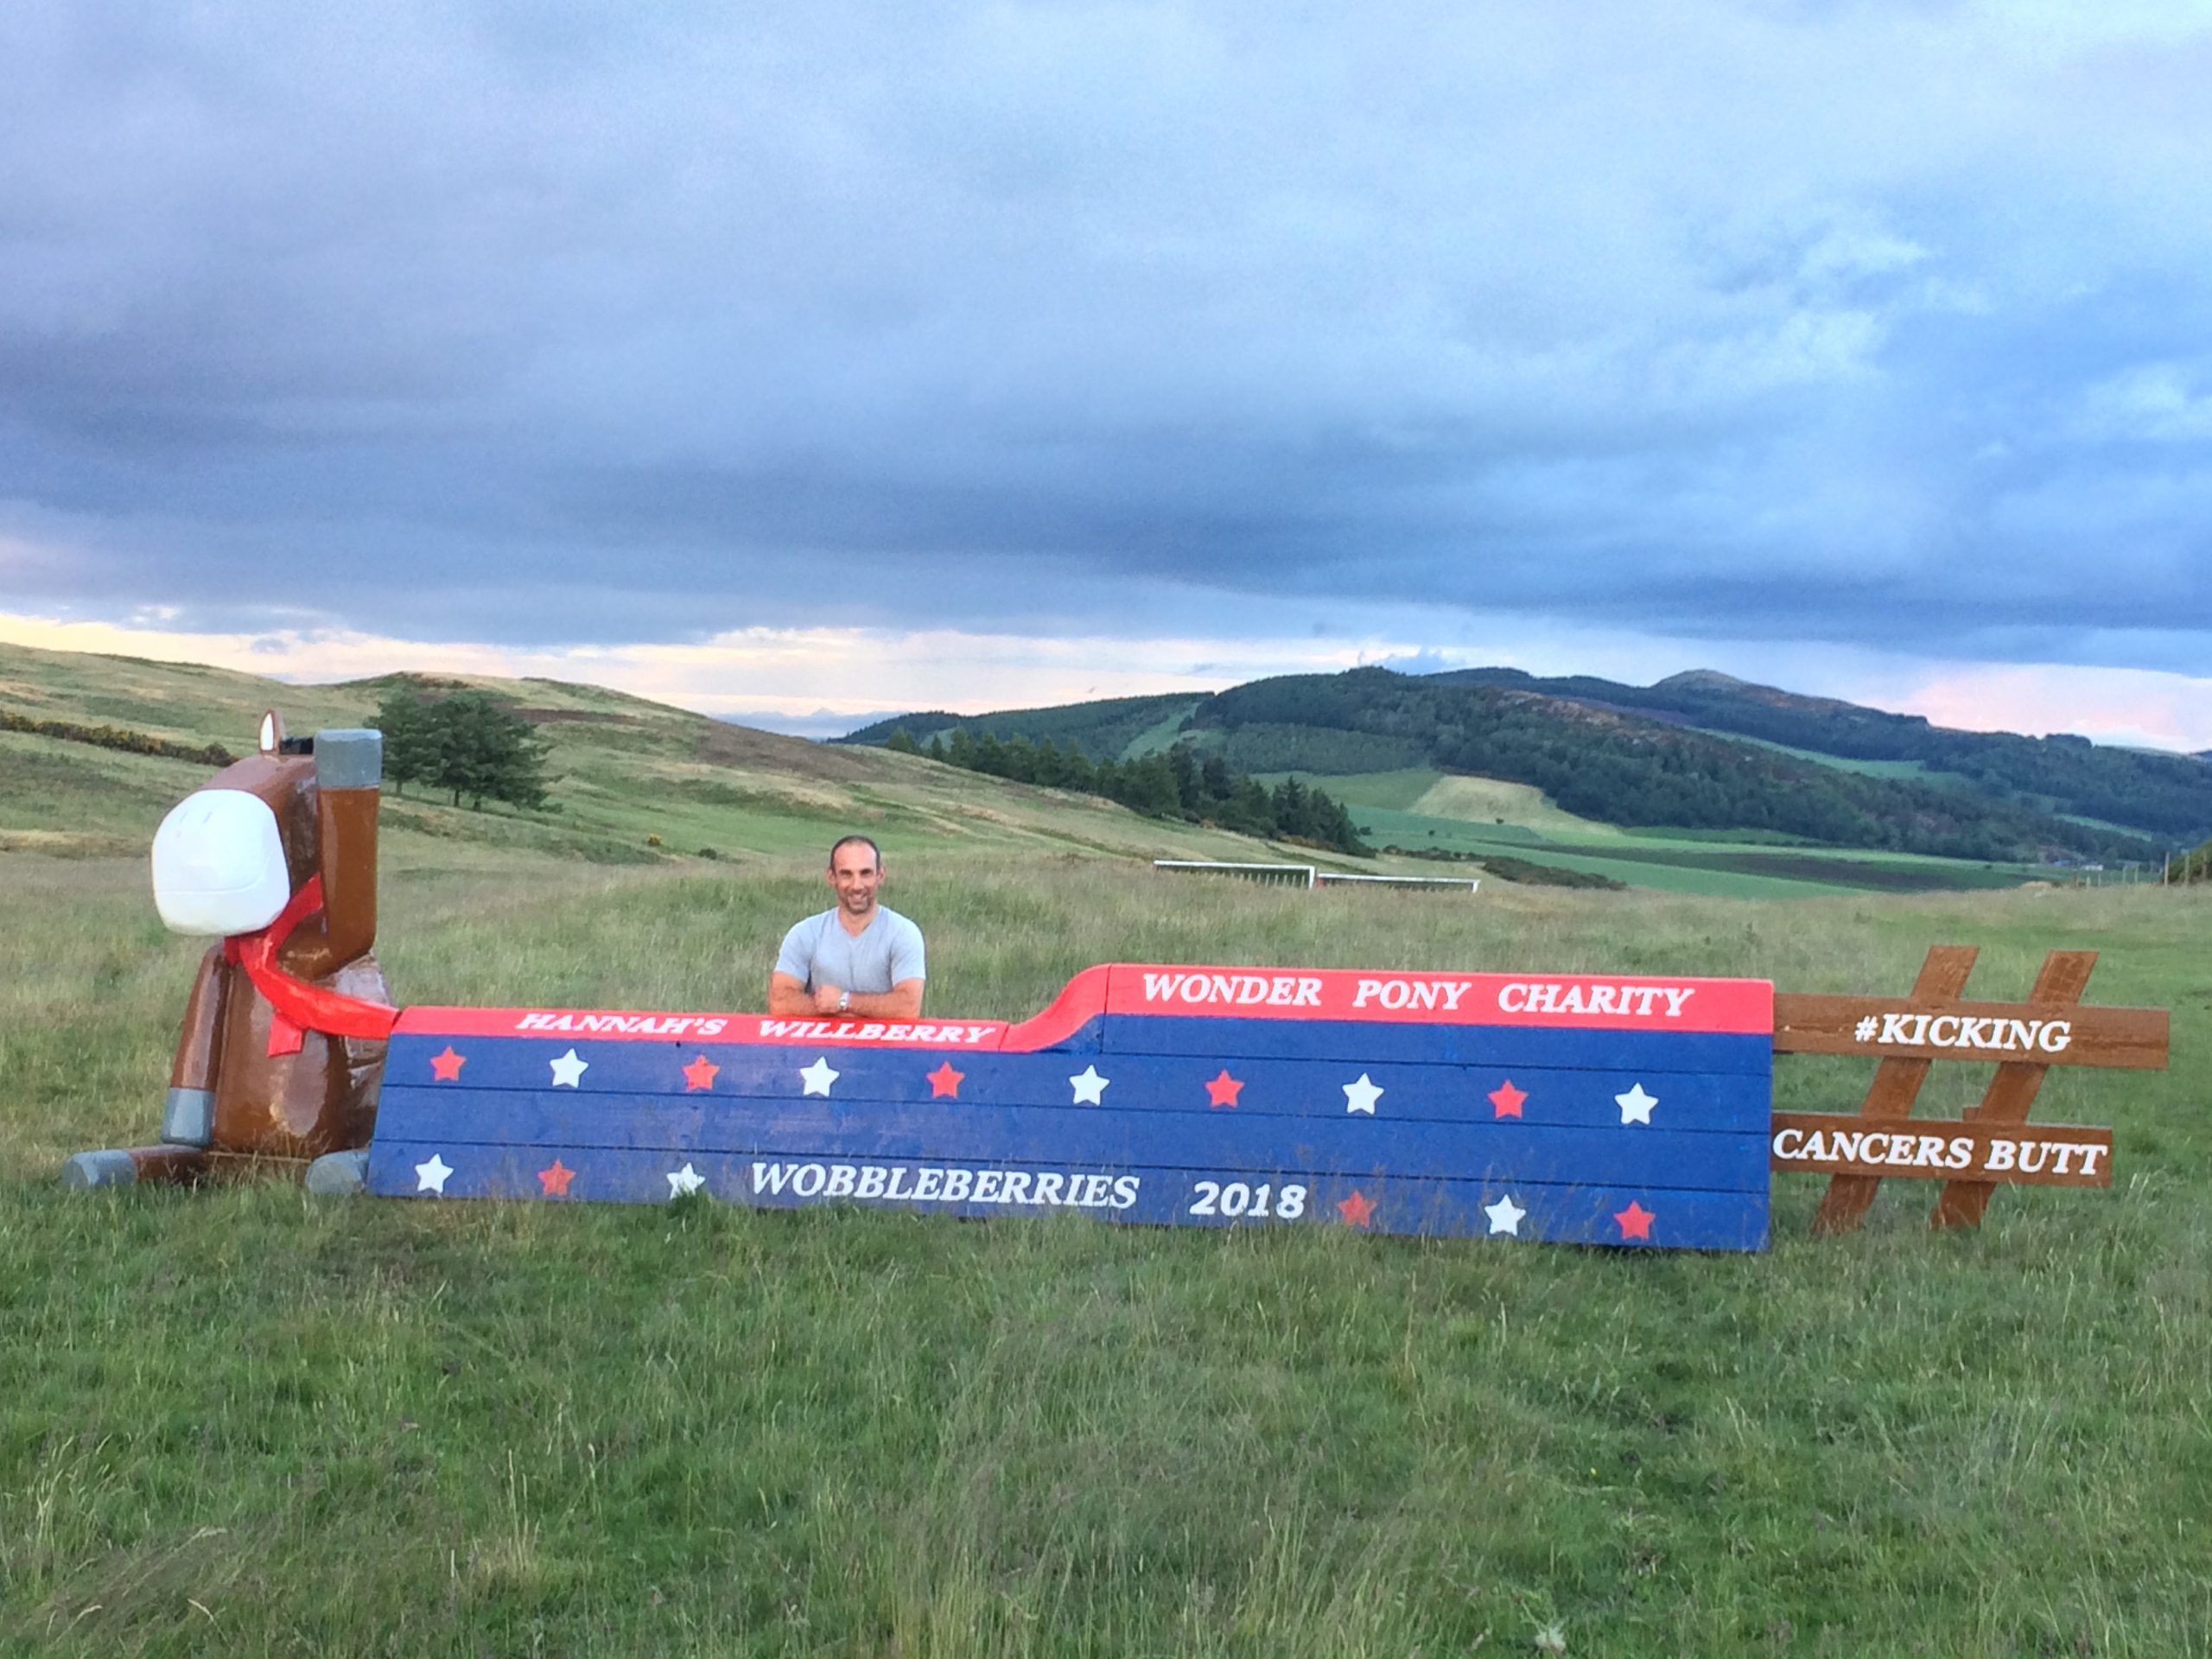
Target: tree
(491, 752)
(469, 744)
(410, 741)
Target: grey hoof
(336, 1174)
(99, 1169)
(188, 1118)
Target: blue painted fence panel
(1089, 1135)
(1174, 1084)
(1623, 1137)
(1358, 1041)
(1579, 1214)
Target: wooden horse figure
(284, 1032)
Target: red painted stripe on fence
(1588, 1001)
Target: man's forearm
(899, 1002)
(788, 996)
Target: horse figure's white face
(218, 864)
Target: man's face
(854, 873)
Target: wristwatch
(844, 1001)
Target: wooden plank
(1750, 1054)
(2045, 1031)
(1896, 1086)
(1086, 1134)
(1395, 997)
(2044, 1154)
(1632, 1215)
(1593, 1098)
(1743, 1054)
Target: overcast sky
(804, 362)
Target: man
(857, 957)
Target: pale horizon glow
(746, 676)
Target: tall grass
(243, 1422)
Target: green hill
(1113, 729)
(632, 781)
(1597, 757)
(2166, 798)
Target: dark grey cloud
(589, 322)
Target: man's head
(855, 871)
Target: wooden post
(1896, 1086)
(2012, 1092)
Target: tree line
(1166, 784)
(116, 737)
(468, 743)
(2195, 865)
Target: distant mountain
(1700, 751)
(1109, 729)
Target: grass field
(1422, 809)
(1913, 771)
(243, 1422)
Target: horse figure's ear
(272, 732)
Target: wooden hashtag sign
(1993, 1145)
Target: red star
(1222, 1090)
(555, 1180)
(1507, 1099)
(1635, 1221)
(446, 1067)
(700, 1074)
(944, 1081)
(1356, 1209)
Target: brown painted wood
(195, 1065)
(1896, 1086)
(2012, 1092)
(2135, 1038)
(1923, 1149)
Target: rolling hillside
(632, 781)
(1700, 754)
(2165, 797)
(637, 782)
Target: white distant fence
(1331, 878)
(1305, 875)
(1270, 875)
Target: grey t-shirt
(818, 952)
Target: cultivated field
(1433, 812)
(243, 1422)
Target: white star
(1089, 1087)
(568, 1071)
(1636, 1105)
(686, 1179)
(1505, 1215)
(431, 1177)
(1362, 1096)
(818, 1076)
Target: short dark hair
(843, 842)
